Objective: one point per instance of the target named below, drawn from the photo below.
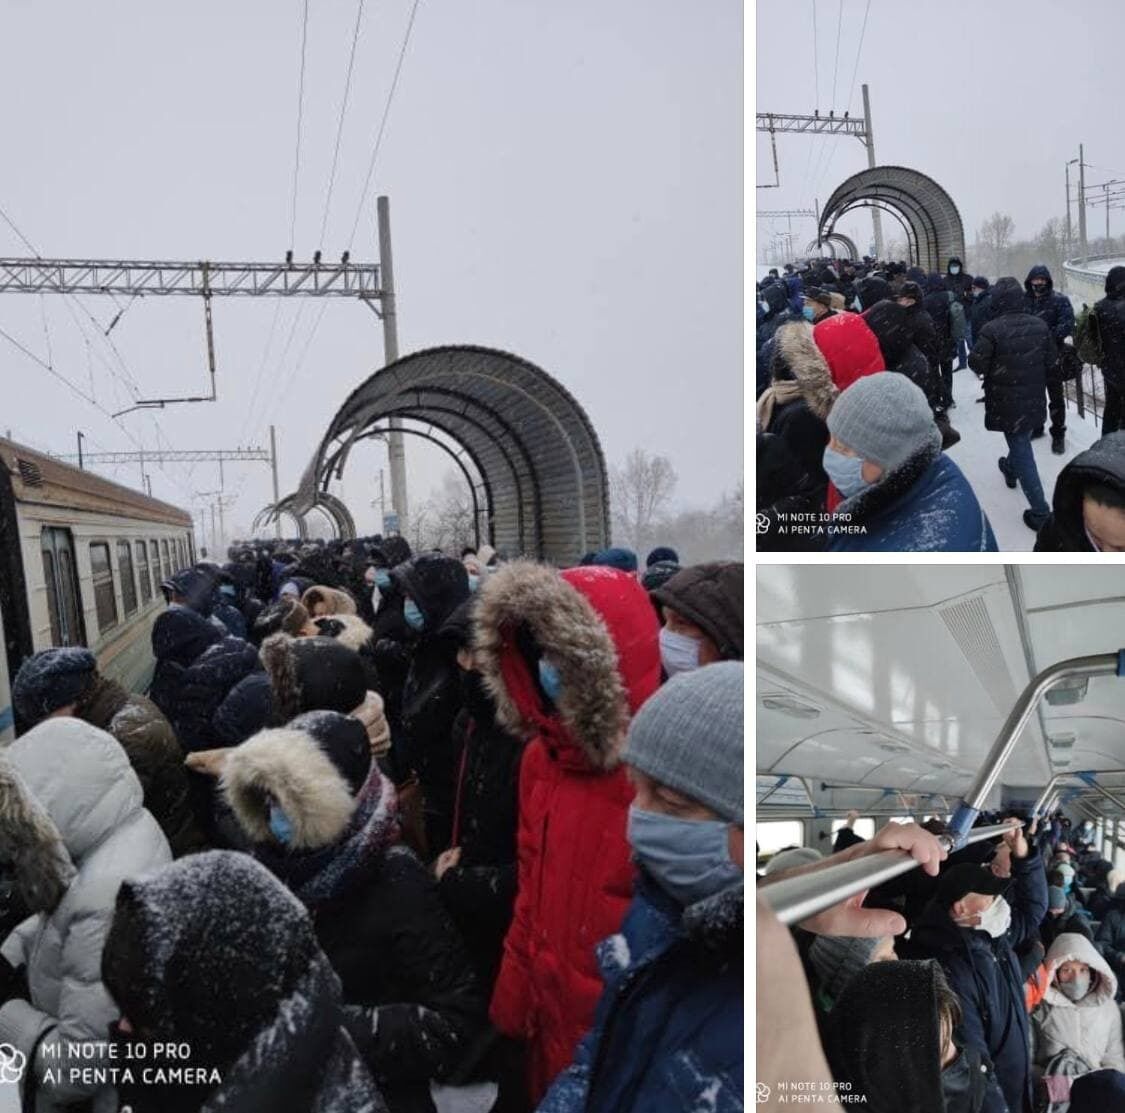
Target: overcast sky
(989, 98)
(565, 181)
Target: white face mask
(1090, 537)
(376, 599)
(1076, 988)
(678, 652)
(996, 919)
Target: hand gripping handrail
(797, 898)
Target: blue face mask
(382, 579)
(474, 582)
(845, 472)
(280, 825)
(413, 616)
(550, 680)
(678, 652)
(688, 858)
(954, 270)
(807, 313)
(227, 591)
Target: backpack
(1088, 337)
(1052, 1091)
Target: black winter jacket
(1053, 309)
(805, 434)
(925, 335)
(179, 636)
(891, 324)
(959, 285)
(203, 688)
(1013, 354)
(1103, 463)
(1110, 313)
(784, 488)
(980, 312)
(936, 303)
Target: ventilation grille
(30, 473)
(969, 622)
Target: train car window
(778, 834)
(105, 602)
(865, 828)
(166, 559)
(63, 599)
(157, 578)
(128, 581)
(142, 572)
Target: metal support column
(273, 467)
(869, 143)
(1082, 202)
(395, 448)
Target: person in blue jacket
(668, 1031)
(972, 926)
(901, 493)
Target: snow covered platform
(978, 451)
(1085, 282)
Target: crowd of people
(389, 831)
(989, 980)
(855, 365)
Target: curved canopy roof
(834, 240)
(929, 214)
(536, 471)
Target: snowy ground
(979, 450)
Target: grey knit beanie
(884, 418)
(837, 959)
(690, 736)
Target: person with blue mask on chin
(673, 975)
(901, 493)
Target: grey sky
(991, 99)
(565, 181)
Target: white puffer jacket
(72, 821)
(1090, 1027)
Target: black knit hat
(50, 679)
(966, 877)
(710, 595)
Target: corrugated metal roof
(931, 218)
(527, 448)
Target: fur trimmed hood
(31, 842)
(312, 674)
(796, 347)
(336, 601)
(347, 629)
(597, 627)
(288, 765)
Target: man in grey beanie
(680, 947)
(901, 493)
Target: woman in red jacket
(568, 657)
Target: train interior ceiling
(882, 689)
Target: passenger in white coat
(72, 828)
(1078, 1011)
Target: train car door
(61, 577)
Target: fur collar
(354, 632)
(101, 702)
(289, 766)
(797, 348)
(32, 844)
(281, 668)
(338, 602)
(592, 710)
(874, 500)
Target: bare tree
(639, 494)
(445, 520)
(995, 236)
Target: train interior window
(63, 599)
(142, 572)
(105, 601)
(128, 582)
(166, 562)
(777, 835)
(900, 819)
(865, 828)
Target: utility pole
(395, 449)
(148, 484)
(869, 143)
(214, 535)
(1106, 188)
(1082, 202)
(81, 467)
(273, 465)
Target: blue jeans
(1021, 463)
(964, 345)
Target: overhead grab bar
(797, 898)
(1044, 805)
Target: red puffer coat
(598, 628)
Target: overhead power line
(300, 115)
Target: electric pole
(395, 450)
(869, 143)
(273, 465)
(1082, 202)
(81, 467)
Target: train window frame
(68, 626)
(778, 823)
(868, 826)
(100, 595)
(166, 561)
(140, 559)
(154, 564)
(128, 576)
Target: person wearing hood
(65, 682)
(972, 926)
(1078, 1012)
(179, 636)
(568, 658)
(193, 588)
(901, 493)
(264, 1026)
(849, 347)
(703, 614)
(1108, 317)
(870, 291)
(1063, 917)
(352, 631)
(938, 302)
(668, 1031)
(285, 616)
(777, 302)
(73, 825)
(979, 309)
(960, 284)
(320, 601)
(1088, 504)
(1056, 312)
(321, 817)
(893, 1039)
(923, 330)
(433, 587)
(1014, 354)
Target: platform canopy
(526, 448)
(926, 212)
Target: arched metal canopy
(533, 462)
(834, 240)
(933, 219)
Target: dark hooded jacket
(891, 324)
(959, 285)
(985, 974)
(267, 1016)
(980, 310)
(924, 334)
(431, 696)
(1110, 936)
(413, 1002)
(779, 314)
(1069, 922)
(1053, 309)
(1110, 314)
(673, 987)
(204, 686)
(1103, 463)
(872, 290)
(196, 586)
(179, 636)
(1013, 354)
(936, 302)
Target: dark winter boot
(949, 435)
(1034, 520)
(1058, 444)
(1037, 433)
(1006, 471)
